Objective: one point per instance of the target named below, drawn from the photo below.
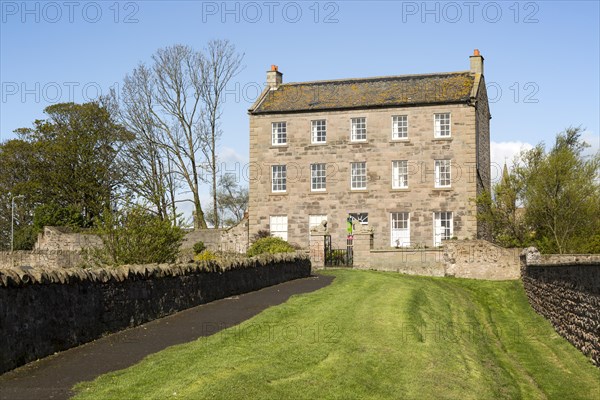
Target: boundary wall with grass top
(45, 310)
(565, 289)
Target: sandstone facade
(467, 147)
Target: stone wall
(425, 262)
(475, 259)
(480, 259)
(210, 237)
(231, 240)
(43, 311)
(41, 259)
(55, 238)
(565, 289)
(236, 238)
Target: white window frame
(279, 133)
(442, 125)
(358, 129)
(400, 229)
(399, 127)
(358, 175)
(443, 173)
(278, 178)
(318, 177)
(443, 226)
(400, 174)
(278, 226)
(318, 131)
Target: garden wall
(45, 310)
(41, 258)
(565, 289)
(230, 240)
(475, 259)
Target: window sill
(318, 144)
(442, 139)
(317, 192)
(400, 189)
(278, 194)
(359, 141)
(442, 189)
(400, 141)
(279, 146)
(359, 191)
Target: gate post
(318, 249)
(363, 243)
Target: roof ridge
(375, 78)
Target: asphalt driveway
(53, 376)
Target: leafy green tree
(67, 167)
(77, 153)
(550, 199)
(502, 213)
(135, 236)
(17, 178)
(561, 193)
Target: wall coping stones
(531, 257)
(22, 276)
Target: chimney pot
(476, 52)
(273, 67)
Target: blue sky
(541, 57)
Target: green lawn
(372, 335)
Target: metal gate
(337, 257)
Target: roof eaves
(259, 101)
(369, 107)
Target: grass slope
(372, 335)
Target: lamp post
(12, 222)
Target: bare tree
(164, 104)
(150, 166)
(219, 65)
(174, 107)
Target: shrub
(269, 245)
(199, 247)
(135, 236)
(205, 255)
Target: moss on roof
(367, 93)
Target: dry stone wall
(565, 289)
(45, 310)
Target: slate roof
(380, 92)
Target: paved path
(53, 376)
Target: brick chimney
(476, 62)
(274, 77)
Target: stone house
(402, 155)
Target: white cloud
(504, 152)
(593, 139)
(228, 154)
